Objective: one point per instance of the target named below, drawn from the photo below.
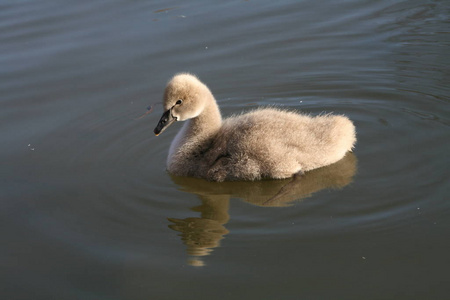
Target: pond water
(89, 212)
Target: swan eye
(179, 102)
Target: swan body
(263, 143)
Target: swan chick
(263, 143)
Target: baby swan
(264, 143)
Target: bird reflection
(202, 234)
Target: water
(88, 211)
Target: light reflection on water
(85, 199)
(202, 234)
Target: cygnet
(263, 143)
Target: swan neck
(208, 122)
(197, 131)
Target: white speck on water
(206, 48)
(363, 257)
(32, 149)
(418, 208)
(29, 145)
(301, 101)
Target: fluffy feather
(264, 143)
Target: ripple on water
(94, 194)
(386, 196)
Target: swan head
(185, 97)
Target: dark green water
(87, 210)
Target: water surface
(88, 211)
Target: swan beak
(166, 120)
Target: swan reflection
(202, 234)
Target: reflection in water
(202, 234)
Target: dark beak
(166, 120)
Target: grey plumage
(264, 143)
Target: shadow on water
(202, 234)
